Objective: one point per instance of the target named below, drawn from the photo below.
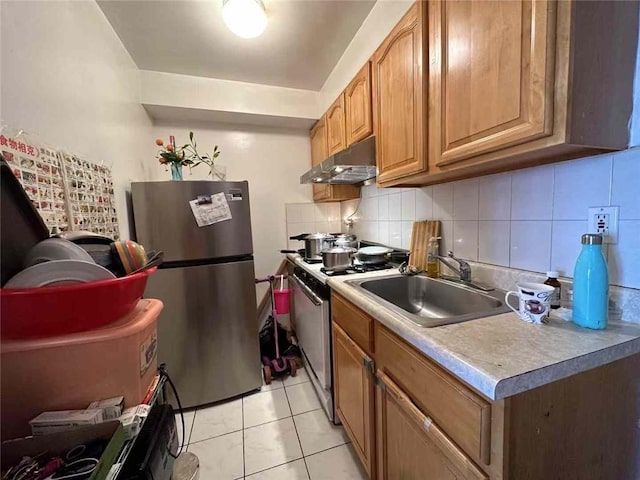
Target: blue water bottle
(591, 285)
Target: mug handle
(506, 300)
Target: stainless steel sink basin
(430, 302)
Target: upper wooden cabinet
(318, 138)
(324, 192)
(336, 130)
(496, 76)
(399, 99)
(357, 104)
(508, 84)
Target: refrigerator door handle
(317, 301)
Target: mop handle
(275, 318)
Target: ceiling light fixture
(245, 18)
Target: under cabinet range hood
(356, 164)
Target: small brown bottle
(552, 281)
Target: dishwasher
(313, 330)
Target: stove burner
(357, 269)
(312, 260)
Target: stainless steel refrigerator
(208, 331)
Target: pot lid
(375, 250)
(318, 236)
(346, 236)
(339, 249)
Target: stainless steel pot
(346, 240)
(314, 243)
(373, 255)
(337, 259)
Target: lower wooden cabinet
(412, 420)
(354, 395)
(410, 445)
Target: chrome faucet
(463, 269)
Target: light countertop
(499, 356)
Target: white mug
(535, 301)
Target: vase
(176, 171)
(218, 173)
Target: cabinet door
(410, 445)
(399, 99)
(336, 131)
(318, 154)
(354, 394)
(492, 76)
(357, 104)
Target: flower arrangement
(186, 155)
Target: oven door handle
(317, 301)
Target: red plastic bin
(53, 311)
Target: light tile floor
(278, 433)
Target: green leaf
(216, 155)
(191, 136)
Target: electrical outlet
(604, 220)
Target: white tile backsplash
(383, 232)
(406, 229)
(465, 200)
(626, 174)
(424, 203)
(395, 234)
(530, 245)
(408, 205)
(312, 217)
(446, 232)
(528, 219)
(495, 197)
(532, 194)
(465, 239)
(383, 207)
(581, 184)
(494, 242)
(624, 257)
(443, 202)
(395, 206)
(565, 245)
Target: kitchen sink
(430, 302)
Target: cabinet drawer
(357, 324)
(463, 414)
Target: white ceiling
(301, 45)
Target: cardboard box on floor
(11, 451)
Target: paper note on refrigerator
(210, 209)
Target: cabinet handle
(435, 434)
(369, 365)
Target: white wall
(68, 80)
(272, 160)
(185, 91)
(384, 15)
(529, 219)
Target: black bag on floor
(268, 342)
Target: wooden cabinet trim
(364, 446)
(318, 138)
(356, 323)
(326, 192)
(336, 129)
(462, 413)
(358, 131)
(431, 430)
(534, 117)
(414, 136)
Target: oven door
(313, 330)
